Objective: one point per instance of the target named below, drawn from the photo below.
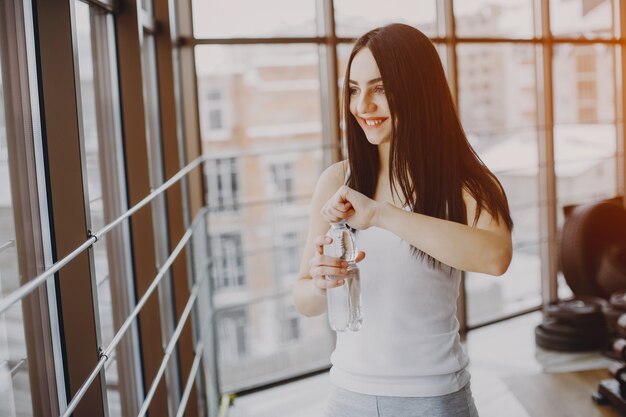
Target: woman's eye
(353, 91)
(380, 89)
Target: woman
(424, 208)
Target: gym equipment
(611, 275)
(575, 325)
(613, 391)
(586, 235)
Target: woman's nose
(365, 104)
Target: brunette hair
(430, 157)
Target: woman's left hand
(358, 210)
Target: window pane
(159, 208)
(585, 141)
(584, 86)
(15, 396)
(486, 18)
(249, 18)
(104, 168)
(588, 18)
(260, 177)
(355, 17)
(497, 107)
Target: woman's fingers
(335, 210)
(359, 256)
(324, 260)
(322, 270)
(323, 284)
(320, 241)
(333, 215)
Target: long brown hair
(430, 157)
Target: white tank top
(408, 345)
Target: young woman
(424, 208)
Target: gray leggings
(343, 403)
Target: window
(106, 190)
(486, 18)
(228, 261)
(287, 255)
(291, 323)
(215, 117)
(575, 18)
(354, 18)
(214, 107)
(222, 185)
(500, 122)
(282, 179)
(232, 327)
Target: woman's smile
(371, 123)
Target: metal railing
(109, 352)
(15, 296)
(106, 353)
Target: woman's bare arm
(484, 247)
(309, 299)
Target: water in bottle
(344, 302)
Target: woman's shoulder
(331, 179)
(335, 174)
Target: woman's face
(368, 103)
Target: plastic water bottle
(344, 301)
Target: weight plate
(550, 342)
(566, 330)
(587, 231)
(611, 275)
(581, 311)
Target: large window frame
(542, 42)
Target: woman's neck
(383, 157)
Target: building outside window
(233, 336)
(282, 175)
(229, 271)
(215, 118)
(287, 255)
(222, 182)
(291, 323)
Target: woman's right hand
(323, 265)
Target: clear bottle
(344, 301)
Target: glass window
(281, 179)
(15, 395)
(232, 328)
(222, 180)
(585, 140)
(288, 255)
(486, 18)
(291, 322)
(257, 19)
(266, 164)
(228, 262)
(96, 146)
(92, 161)
(587, 18)
(214, 104)
(497, 106)
(353, 18)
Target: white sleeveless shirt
(408, 345)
